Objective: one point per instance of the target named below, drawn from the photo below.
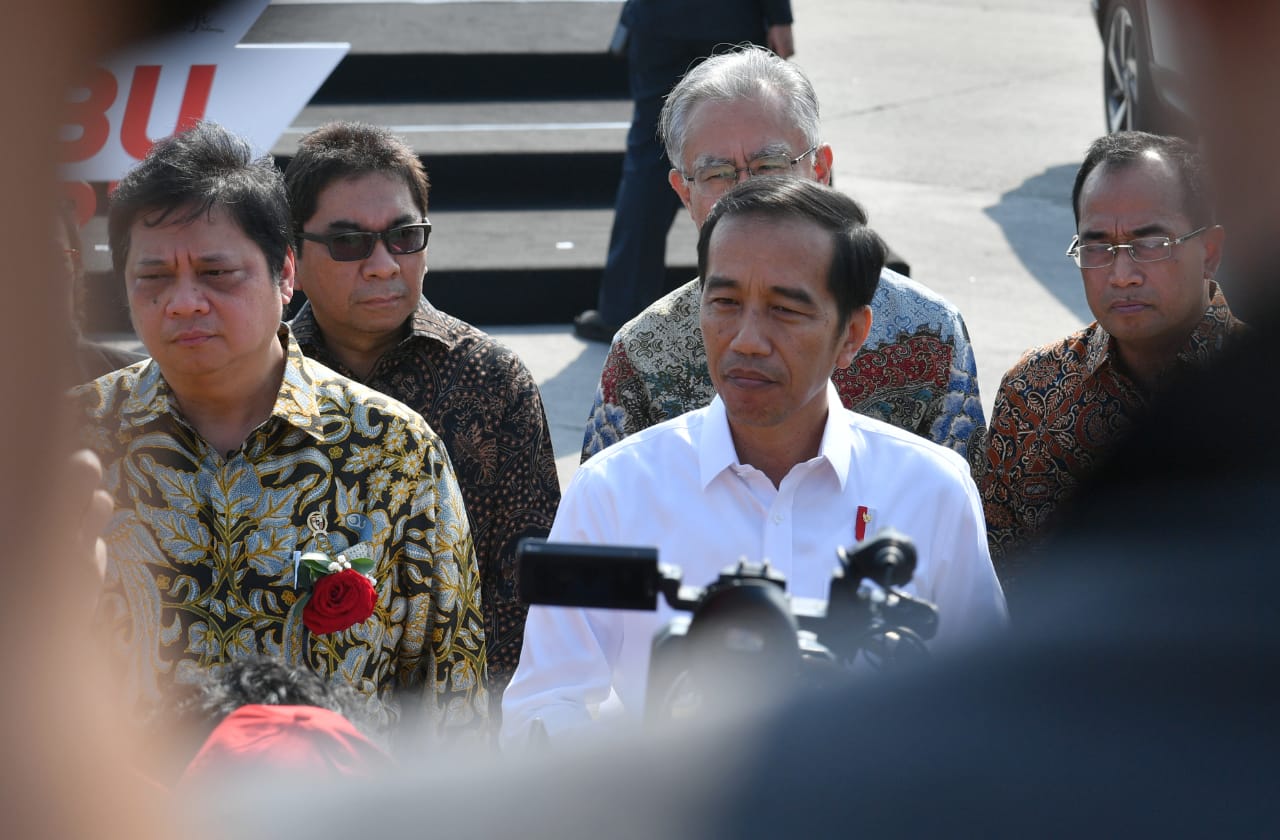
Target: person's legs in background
(635, 269)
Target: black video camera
(744, 636)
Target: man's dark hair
(1124, 148)
(178, 729)
(342, 150)
(186, 176)
(265, 681)
(858, 253)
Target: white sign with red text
(201, 73)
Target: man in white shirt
(775, 468)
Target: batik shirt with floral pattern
(477, 394)
(202, 546)
(916, 369)
(1058, 411)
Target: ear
(855, 334)
(1214, 238)
(297, 265)
(676, 179)
(822, 158)
(288, 276)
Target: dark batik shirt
(485, 405)
(203, 546)
(1058, 412)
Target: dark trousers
(635, 269)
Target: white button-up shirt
(680, 487)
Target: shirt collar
(837, 438)
(429, 322)
(425, 322)
(1211, 332)
(716, 451)
(1207, 338)
(149, 398)
(296, 403)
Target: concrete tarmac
(959, 124)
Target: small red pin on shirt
(861, 521)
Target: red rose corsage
(342, 594)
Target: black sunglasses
(353, 245)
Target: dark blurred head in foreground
(1231, 52)
(1137, 695)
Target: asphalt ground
(959, 125)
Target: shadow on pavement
(1038, 223)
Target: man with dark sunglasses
(1147, 247)
(358, 198)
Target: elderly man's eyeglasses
(352, 245)
(719, 177)
(1146, 249)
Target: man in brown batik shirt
(1148, 247)
(358, 198)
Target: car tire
(1126, 87)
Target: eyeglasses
(353, 245)
(1145, 250)
(719, 177)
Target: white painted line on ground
(431, 2)
(460, 127)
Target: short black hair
(341, 150)
(186, 176)
(1125, 148)
(266, 681)
(858, 252)
(177, 729)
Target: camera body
(744, 637)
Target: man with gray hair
(664, 39)
(358, 198)
(736, 116)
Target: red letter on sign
(91, 116)
(142, 95)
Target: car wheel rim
(1120, 76)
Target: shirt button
(777, 519)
